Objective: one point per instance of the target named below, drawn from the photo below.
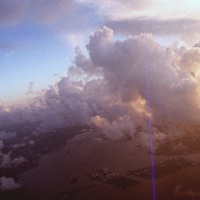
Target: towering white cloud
(174, 92)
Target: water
(67, 169)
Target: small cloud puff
(7, 135)
(6, 161)
(8, 184)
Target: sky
(114, 65)
(74, 63)
(38, 37)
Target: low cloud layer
(8, 184)
(7, 135)
(6, 161)
(113, 88)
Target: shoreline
(65, 171)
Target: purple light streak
(150, 125)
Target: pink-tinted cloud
(108, 90)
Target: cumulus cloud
(109, 90)
(7, 135)
(6, 161)
(157, 137)
(120, 129)
(18, 161)
(124, 67)
(8, 184)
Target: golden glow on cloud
(139, 105)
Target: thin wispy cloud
(12, 11)
(182, 28)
